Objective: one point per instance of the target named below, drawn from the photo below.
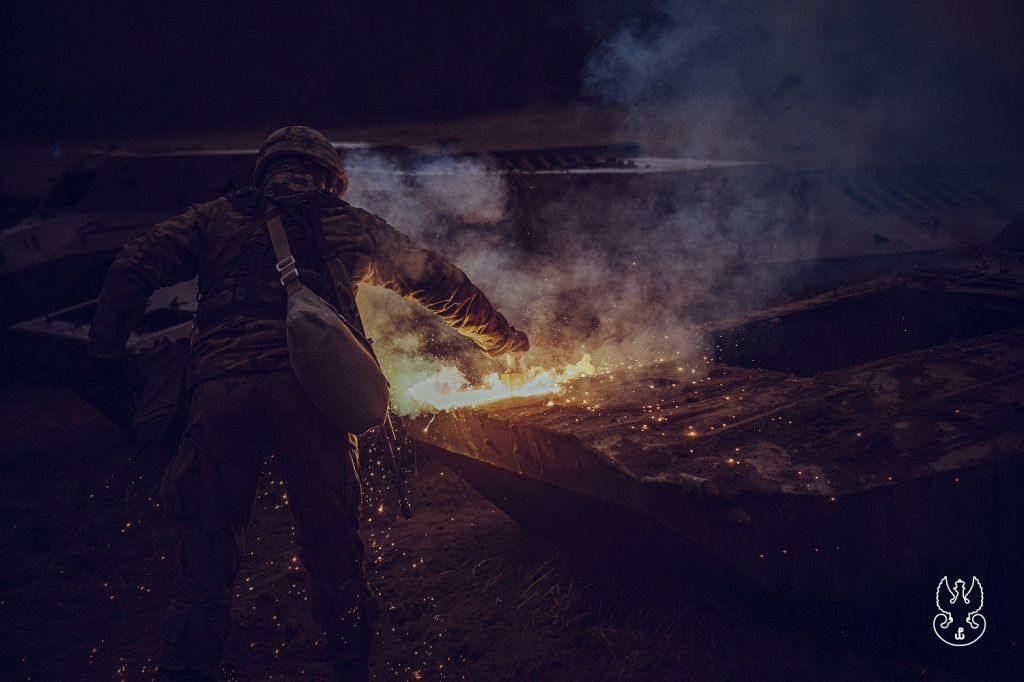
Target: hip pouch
(161, 403)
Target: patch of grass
(541, 594)
(643, 621)
(652, 619)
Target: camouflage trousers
(210, 488)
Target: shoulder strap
(248, 207)
(283, 252)
(208, 317)
(309, 203)
(290, 275)
(340, 281)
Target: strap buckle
(288, 270)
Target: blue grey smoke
(800, 79)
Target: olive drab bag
(331, 358)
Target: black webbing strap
(340, 282)
(207, 316)
(308, 203)
(255, 267)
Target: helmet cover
(306, 143)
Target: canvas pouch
(161, 405)
(331, 360)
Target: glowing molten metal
(448, 388)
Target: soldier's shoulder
(223, 210)
(356, 215)
(245, 201)
(212, 207)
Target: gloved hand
(520, 344)
(516, 344)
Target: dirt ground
(467, 595)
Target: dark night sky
(888, 70)
(72, 69)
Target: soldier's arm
(437, 284)
(165, 255)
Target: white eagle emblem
(959, 621)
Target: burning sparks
(448, 388)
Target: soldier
(245, 400)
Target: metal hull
(844, 478)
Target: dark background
(921, 74)
(75, 69)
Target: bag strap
(285, 260)
(343, 290)
(290, 273)
(336, 269)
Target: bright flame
(448, 388)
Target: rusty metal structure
(844, 451)
(848, 443)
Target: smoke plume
(625, 265)
(830, 83)
(620, 266)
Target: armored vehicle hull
(845, 451)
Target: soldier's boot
(347, 615)
(193, 642)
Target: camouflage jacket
(200, 240)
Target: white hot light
(448, 388)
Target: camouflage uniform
(245, 402)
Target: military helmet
(306, 143)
